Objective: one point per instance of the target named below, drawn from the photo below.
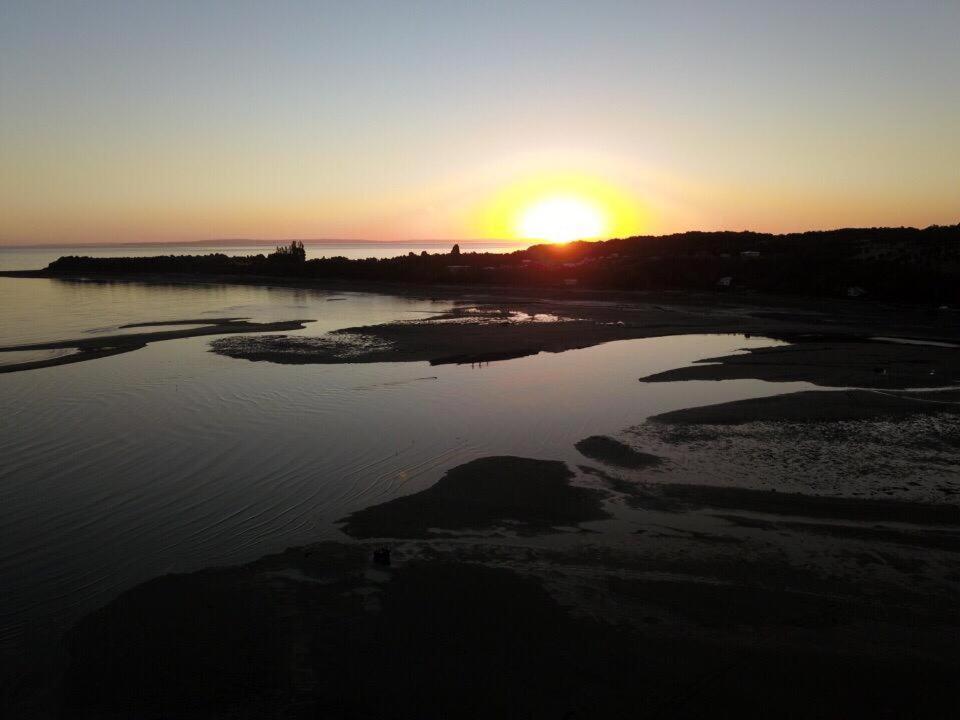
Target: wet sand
(832, 339)
(819, 406)
(700, 601)
(519, 494)
(105, 346)
(873, 364)
(680, 594)
(485, 329)
(487, 631)
(465, 336)
(811, 506)
(613, 452)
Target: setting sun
(561, 219)
(560, 207)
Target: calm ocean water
(35, 258)
(172, 458)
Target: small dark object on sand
(381, 556)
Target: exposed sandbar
(926, 538)
(484, 331)
(839, 363)
(97, 347)
(529, 496)
(487, 331)
(818, 406)
(436, 341)
(813, 506)
(613, 452)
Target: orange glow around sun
(559, 208)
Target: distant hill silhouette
(903, 264)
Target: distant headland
(893, 264)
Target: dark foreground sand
(706, 602)
(478, 632)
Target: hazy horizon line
(441, 241)
(261, 241)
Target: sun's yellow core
(562, 219)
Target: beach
(650, 570)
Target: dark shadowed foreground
(318, 633)
(710, 602)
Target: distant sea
(36, 258)
(172, 458)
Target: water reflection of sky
(172, 458)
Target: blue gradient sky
(127, 121)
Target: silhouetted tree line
(906, 264)
(292, 254)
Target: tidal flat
(602, 540)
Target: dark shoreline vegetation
(892, 264)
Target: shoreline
(719, 298)
(700, 588)
(823, 335)
(686, 580)
(109, 345)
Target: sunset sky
(173, 121)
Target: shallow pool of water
(173, 458)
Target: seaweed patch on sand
(283, 349)
(529, 496)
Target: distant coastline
(888, 264)
(33, 257)
(261, 242)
